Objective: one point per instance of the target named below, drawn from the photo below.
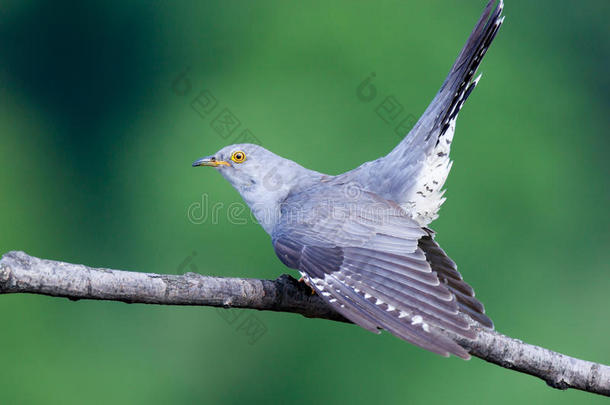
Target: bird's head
(246, 166)
(261, 177)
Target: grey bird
(360, 239)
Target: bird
(361, 239)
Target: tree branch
(21, 273)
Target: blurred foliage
(97, 142)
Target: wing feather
(396, 322)
(449, 275)
(376, 272)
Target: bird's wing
(413, 174)
(447, 272)
(363, 257)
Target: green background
(96, 147)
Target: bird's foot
(302, 280)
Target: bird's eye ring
(238, 157)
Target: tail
(414, 172)
(459, 84)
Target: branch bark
(21, 273)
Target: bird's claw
(302, 280)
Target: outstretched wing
(364, 258)
(414, 173)
(447, 272)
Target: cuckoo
(360, 239)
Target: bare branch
(21, 273)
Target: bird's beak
(210, 161)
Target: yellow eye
(238, 157)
